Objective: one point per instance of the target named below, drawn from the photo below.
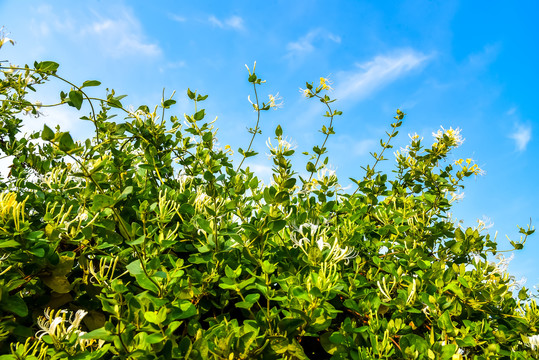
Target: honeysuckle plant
(148, 241)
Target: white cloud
(363, 147)
(305, 44)
(374, 74)
(115, 31)
(486, 56)
(522, 136)
(263, 172)
(511, 111)
(173, 65)
(120, 36)
(233, 22)
(177, 18)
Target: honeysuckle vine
(148, 241)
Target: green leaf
(463, 281)
(454, 287)
(47, 134)
(101, 202)
(146, 283)
(75, 96)
(277, 225)
(15, 305)
(523, 294)
(134, 268)
(50, 66)
(290, 325)
(199, 115)
(127, 191)
(9, 243)
(99, 334)
(38, 252)
(268, 267)
(90, 83)
(154, 338)
(337, 338)
(445, 322)
(190, 94)
(65, 143)
(232, 274)
(415, 341)
(114, 102)
(60, 284)
(184, 311)
(252, 298)
(310, 167)
(168, 103)
(156, 317)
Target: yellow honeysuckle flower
(324, 83)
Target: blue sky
(462, 64)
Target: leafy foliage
(146, 241)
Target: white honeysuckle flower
(484, 223)
(305, 92)
(503, 263)
(282, 146)
(254, 67)
(79, 315)
(476, 258)
(313, 228)
(456, 196)
(414, 137)
(272, 101)
(54, 324)
(322, 244)
(337, 254)
(533, 342)
(383, 290)
(326, 173)
(82, 216)
(49, 324)
(201, 200)
(518, 284)
(412, 293)
(453, 134)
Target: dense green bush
(147, 241)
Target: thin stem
(255, 130)
(327, 135)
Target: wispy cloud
(172, 65)
(176, 17)
(121, 36)
(487, 55)
(374, 74)
(363, 147)
(522, 136)
(306, 43)
(511, 111)
(114, 31)
(233, 22)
